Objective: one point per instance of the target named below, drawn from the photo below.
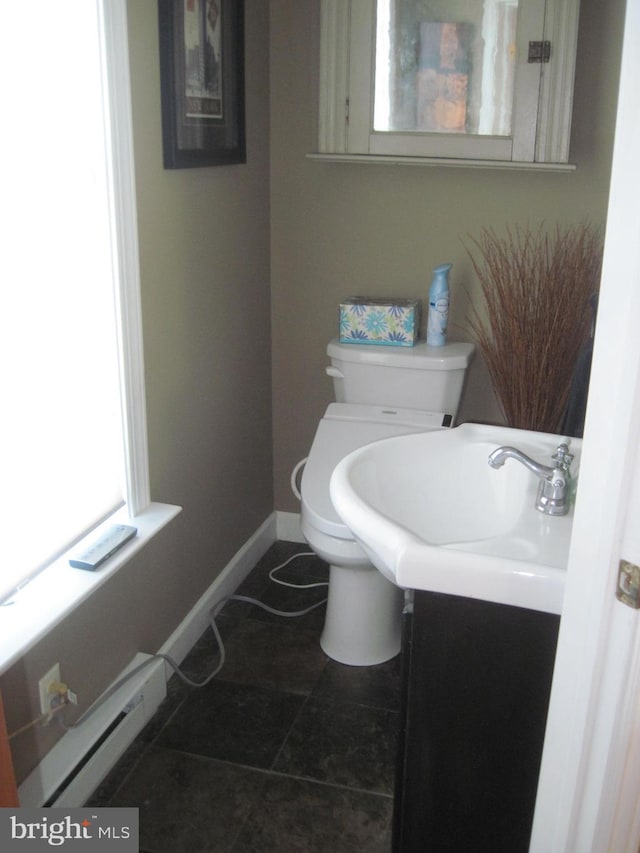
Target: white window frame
(52, 594)
(126, 260)
(542, 103)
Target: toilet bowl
(364, 610)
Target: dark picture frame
(202, 82)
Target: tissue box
(385, 321)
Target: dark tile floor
(285, 750)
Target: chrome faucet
(553, 492)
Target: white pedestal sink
(433, 515)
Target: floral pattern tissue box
(376, 320)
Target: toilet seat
(346, 427)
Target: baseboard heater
(73, 769)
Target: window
(488, 81)
(73, 425)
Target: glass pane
(445, 66)
(61, 434)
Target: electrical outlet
(43, 686)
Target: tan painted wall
(204, 251)
(341, 229)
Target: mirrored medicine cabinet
(470, 82)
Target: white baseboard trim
(189, 631)
(288, 527)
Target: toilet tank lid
(451, 356)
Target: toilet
(380, 392)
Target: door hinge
(628, 591)
(539, 51)
(346, 110)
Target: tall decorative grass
(536, 315)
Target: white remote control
(104, 547)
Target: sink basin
(432, 514)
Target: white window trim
(55, 592)
(346, 58)
(127, 262)
(51, 596)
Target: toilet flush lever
(333, 371)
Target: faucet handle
(562, 457)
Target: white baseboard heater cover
(73, 769)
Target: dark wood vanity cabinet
(476, 684)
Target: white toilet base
(364, 617)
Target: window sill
(442, 161)
(44, 602)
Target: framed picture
(202, 82)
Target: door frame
(588, 786)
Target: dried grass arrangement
(537, 290)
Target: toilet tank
(418, 377)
